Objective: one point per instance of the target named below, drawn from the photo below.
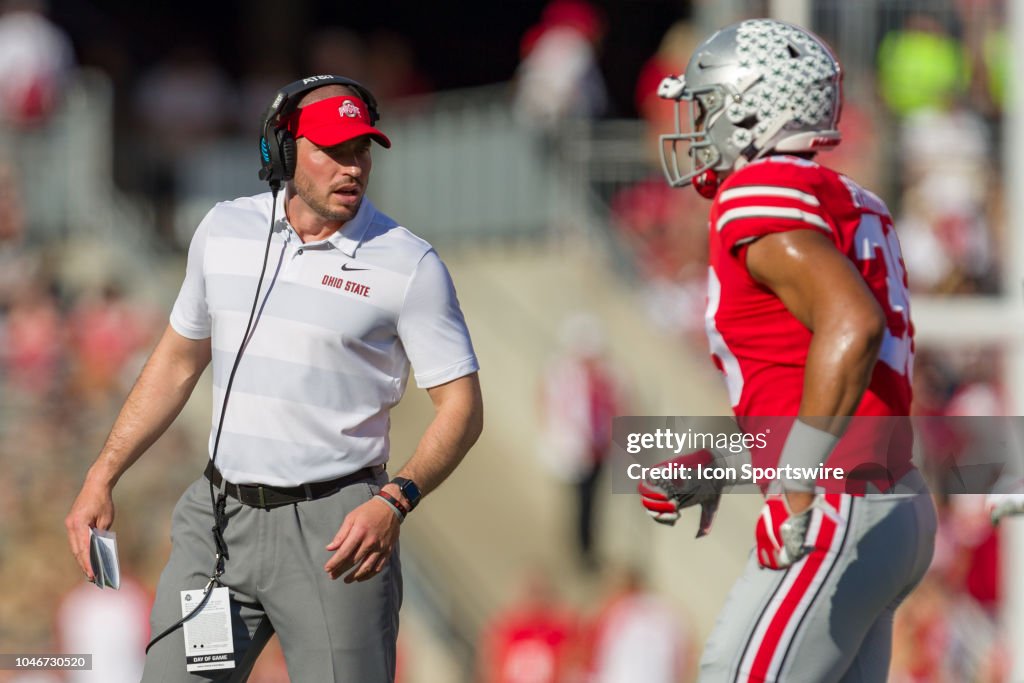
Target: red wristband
(394, 502)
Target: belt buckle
(262, 498)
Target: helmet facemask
(702, 109)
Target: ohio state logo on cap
(350, 110)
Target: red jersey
(760, 346)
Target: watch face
(409, 490)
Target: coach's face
(333, 180)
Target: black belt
(266, 497)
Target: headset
(277, 154)
(277, 143)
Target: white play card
(103, 558)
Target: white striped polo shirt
(339, 322)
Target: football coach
(309, 352)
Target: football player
(807, 317)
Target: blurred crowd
(946, 79)
(69, 349)
(171, 109)
(629, 633)
(187, 100)
(73, 334)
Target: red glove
(663, 497)
(781, 536)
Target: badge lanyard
(219, 502)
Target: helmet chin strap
(758, 148)
(706, 183)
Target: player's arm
(160, 392)
(369, 532)
(821, 287)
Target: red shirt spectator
(533, 641)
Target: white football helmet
(754, 87)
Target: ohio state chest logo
(344, 285)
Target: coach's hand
(93, 508)
(364, 542)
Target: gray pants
(329, 630)
(828, 617)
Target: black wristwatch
(410, 491)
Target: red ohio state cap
(333, 121)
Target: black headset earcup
(287, 145)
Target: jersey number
(873, 242)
